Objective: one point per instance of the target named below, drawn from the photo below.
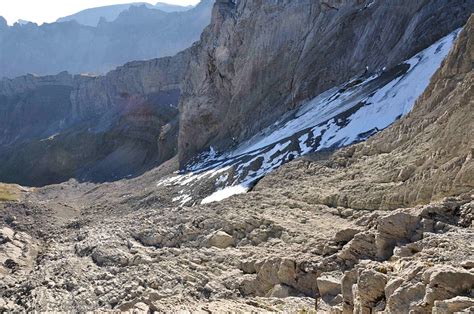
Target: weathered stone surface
(221, 240)
(394, 229)
(349, 279)
(287, 272)
(370, 290)
(229, 96)
(329, 286)
(109, 256)
(18, 251)
(447, 282)
(282, 291)
(454, 305)
(405, 297)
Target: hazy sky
(40, 11)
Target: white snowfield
(336, 118)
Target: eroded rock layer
(90, 128)
(298, 49)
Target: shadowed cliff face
(91, 128)
(298, 49)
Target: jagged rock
(221, 240)
(370, 290)
(454, 305)
(287, 272)
(18, 250)
(307, 283)
(109, 256)
(141, 307)
(446, 283)
(329, 286)
(393, 229)
(349, 279)
(360, 247)
(345, 235)
(248, 285)
(248, 267)
(282, 291)
(405, 297)
(267, 276)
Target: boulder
(446, 283)
(370, 290)
(453, 305)
(329, 286)
(110, 256)
(287, 272)
(345, 235)
(221, 239)
(282, 291)
(404, 297)
(267, 276)
(394, 229)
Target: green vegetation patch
(9, 193)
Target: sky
(40, 11)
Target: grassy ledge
(10, 192)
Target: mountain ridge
(137, 34)
(92, 16)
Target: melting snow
(225, 193)
(338, 117)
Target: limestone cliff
(423, 157)
(258, 59)
(90, 128)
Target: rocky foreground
(383, 226)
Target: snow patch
(338, 117)
(225, 193)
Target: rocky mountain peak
(3, 22)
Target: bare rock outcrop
(228, 96)
(431, 148)
(90, 128)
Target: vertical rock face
(258, 59)
(423, 157)
(92, 128)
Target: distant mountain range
(92, 16)
(138, 33)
